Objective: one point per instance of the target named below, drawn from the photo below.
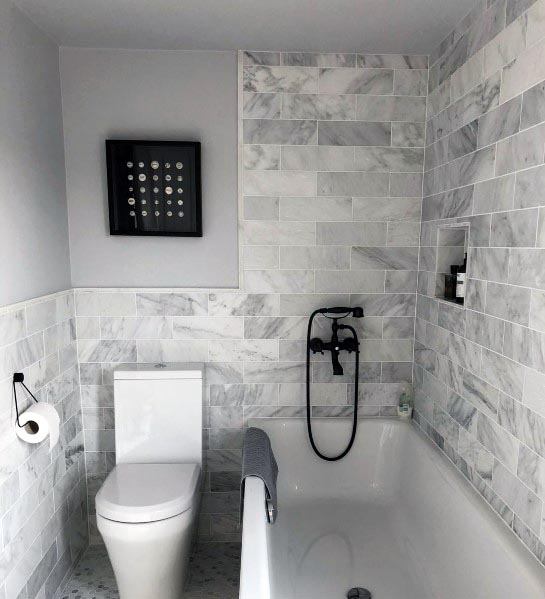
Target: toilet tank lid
(147, 492)
(159, 371)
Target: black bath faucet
(335, 346)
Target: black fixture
(154, 187)
(335, 346)
(358, 593)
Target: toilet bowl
(146, 514)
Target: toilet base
(149, 559)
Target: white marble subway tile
(486, 26)
(261, 106)
(316, 209)
(168, 350)
(470, 74)
(503, 373)
(505, 47)
(517, 496)
(529, 188)
(484, 330)
(315, 59)
(319, 106)
(351, 233)
(318, 158)
(405, 184)
(266, 131)
(280, 183)
(535, 17)
(384, 258)
(227, 303)
(387, 350)
(439, 98)
(475, 454)
(325, 257)
(261, 58)
(533, 110)
(223, 373)
(279, 281)
(261, 158)
(385, 304)
(393, 61)
(343, 133)
(391, 108)
(537, 309)
(171, 304)
(278, 233)
(277, 327)
(135, 327)
(372, 185)
(106, 351)
(12, 326)
(494, 195)
(408, 135)
(247, 350)
(260, 257)
(531, 470)
(514, 228)
(403, 234)
(500, 122)
(356, 81)
(490, 264)
(526, 267)
(523, 150)
(387, 209)
(534, 391)
(280, 79)
(526, 70)
(260, 208)
(304, 304)
(525, 346)
(500, 443)
(400, 160)
(338, 281)
(88, 327)
(41, 315)
(410, 82)
(402, 281)
(203, 327)
(98, 303)
(277, 372)
(510, 302)
(21, 354)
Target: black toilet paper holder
(19, 377)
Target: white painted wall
(150, 95)
(33, 223)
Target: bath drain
(358, 593)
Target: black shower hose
(341, 455)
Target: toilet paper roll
(40, 420)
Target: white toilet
(148, 505)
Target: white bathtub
(394, 516)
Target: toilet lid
(147, 492)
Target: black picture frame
(147, 215)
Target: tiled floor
(214, 574)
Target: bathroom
(372, 167)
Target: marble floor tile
(214, 574)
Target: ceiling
(396, 26)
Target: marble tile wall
(332, 162)
(43, 503)
(479, 370)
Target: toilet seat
(138, 493)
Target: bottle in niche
(450, 283)
(461, 282)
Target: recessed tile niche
(452, 245)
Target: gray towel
(258, 460)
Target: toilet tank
(158, 413)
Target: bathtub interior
(393, 516)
